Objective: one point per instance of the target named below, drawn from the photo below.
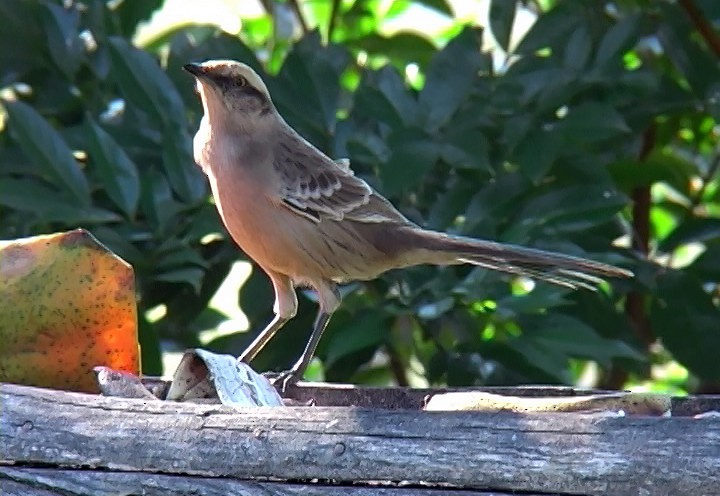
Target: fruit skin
(67, 304)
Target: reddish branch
(635, 301)
(702, 25)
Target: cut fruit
(67, 304)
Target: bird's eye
(242, 81)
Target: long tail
(563, 270)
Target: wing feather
(314, 186)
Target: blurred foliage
(596, 135)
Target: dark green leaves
(590, 122)
(46, 148)
(48, 204)
(502, 15)
(413, 155)
(117, 171)
(144, 84)
(686, 319)
(451, 75)
(66, 47)
(618, 39)
(692, 230)
(150, 90)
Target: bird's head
(227, 85)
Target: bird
(308, 221)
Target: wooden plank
(47, 482)
(561, 453)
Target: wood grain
(545, 453)
(47, 482)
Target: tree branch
(635, 300)
(702, 25)
(332, 22)
(300, 17)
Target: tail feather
(563, 270)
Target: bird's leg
(262, 339)
(285, 308)
(329, 299)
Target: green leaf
(185, 177)
(697, 66)
(46, 148)
(150, 348)
(450, 77)
(365, 332)
(157, 201)
(62, 26)
(574, 338)
(116, 170)
(178, 255)
(450, 204)
(401, 47)
(118, 240)
(577, 51)
(537, 153)
(538, 300)
(22, 36)
(50, 206)
(465, 149)
(130, 14)
(694, 229)
(571, 208)
(548, 360)
(185, 275)
(617, 40)
(414, 153)
(383, 96)
(707, 266)
(551, 29)
(663, 165)
(502, 16)
(145, 85)
(308, 84)
(590, 122)
(686, 319)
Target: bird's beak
(196, 70)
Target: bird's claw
(282, 380)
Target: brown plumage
(308, 220)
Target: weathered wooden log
(23, 481)
(502, 452)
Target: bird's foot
(282, 380)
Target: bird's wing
(314, 186)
